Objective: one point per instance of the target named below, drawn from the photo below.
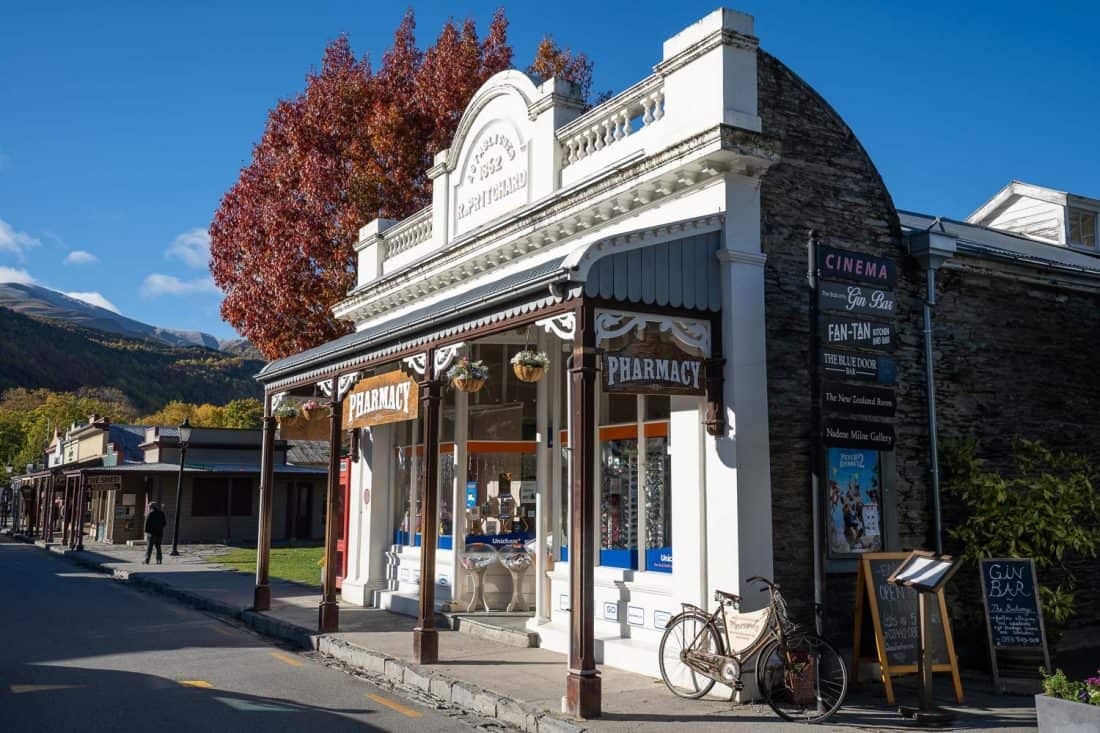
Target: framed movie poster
(853, 501)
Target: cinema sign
(386, 398)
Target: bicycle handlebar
(769, 585)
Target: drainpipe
(932, 248)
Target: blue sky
(122, 124)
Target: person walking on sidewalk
(154, 529)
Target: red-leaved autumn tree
(355, 145)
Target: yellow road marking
(20, 689)
(286, 658)
(221, 629)
(203, 684)
(408, 712)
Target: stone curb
(399, 673)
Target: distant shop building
(709, 412)
(114, 471)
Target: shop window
(504, 409)
(635, 486)
(406, 480)
(241, 497)
(208, 497)
(1082, 228)
(619, 503)
(658, 506)
(500, 493)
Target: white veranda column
(738, 469)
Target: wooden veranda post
(81, 502)
(582, 684)
(261, 595)
(329, 611)
(50, 490)
(425, 635)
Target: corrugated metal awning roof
(510, 286)
(995, 243)
(682, 273)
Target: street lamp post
(185, 436)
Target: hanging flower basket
(529, 365)
(468, 376)
(304, 422)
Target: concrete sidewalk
(521, 687)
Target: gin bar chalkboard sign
(1014, 621)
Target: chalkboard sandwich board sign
(893, 612)
(1014, 622)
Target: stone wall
(1011, 358)
(1015, 359)
(827, 183)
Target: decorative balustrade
(407, 234)
(601, 127)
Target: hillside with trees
(62, 357)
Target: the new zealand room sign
(653, 366)
(855, 299)
(856, 399)
(839, 264)
(386, 398)
(859, 434)
(859, 333)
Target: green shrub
(1044, 507)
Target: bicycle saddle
(720, 595)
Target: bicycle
(799, 674)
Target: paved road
(80, 652)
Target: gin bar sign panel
(386, 398)
(855, 299)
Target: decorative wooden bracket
(715, 419)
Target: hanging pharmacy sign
(651, 365)
(386, 398)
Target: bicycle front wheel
(689, 632)
(803, 679)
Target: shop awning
(198, 467)
(681, 273)
(468, 302)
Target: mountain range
(40, 302)
(52, 341)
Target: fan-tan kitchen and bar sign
(386, 398)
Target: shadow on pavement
(70, 699)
